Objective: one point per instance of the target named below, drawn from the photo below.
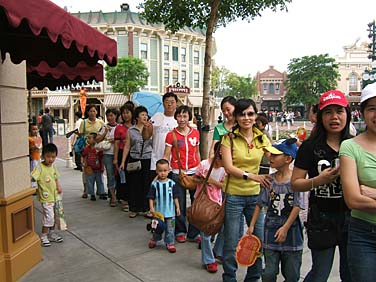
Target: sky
(310, 27)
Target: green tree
(241, 86)
(208, 15)
(128, 76)
(310, 76)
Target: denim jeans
(322, 260)
(219, 241)
(169, 236)
(291, 262)
(96, 177)
(108, 164)
(181, 227)
(236, 207)
(206, 249)
(47, 136)
(361, 250)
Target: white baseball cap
(368, 92)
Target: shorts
(48, 214)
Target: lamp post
(369, 76)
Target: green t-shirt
(366, 170)
(247, 159)
(46, 177)
(219, 131)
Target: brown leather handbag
(205, 214)
(187, 181)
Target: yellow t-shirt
(90, 126)
(247, 158)
(46, 177)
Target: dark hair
(130, 104)
(243, 104)
(46, 110)
(127, 107)
(168, 95)
(262, 119)
(31, 125)
(78, 114)
(216, 145)
(139, 110)
(91, 106)
(93, 134)
(315, 108)
(320, 133)
(41, 112)
(183, 109)
(49, 148)
(162, 162)
(112, 111)
(228, 99)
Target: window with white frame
(166, 52)
(183, 52)
(175, 54)
(353, 82)
(265, 88)
(277, 88)
(196, 57)
(144, 51)
(175, 76)
(271, 88)
(166, 77)
(196, 80)
(183, 78)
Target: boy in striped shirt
(163, 198)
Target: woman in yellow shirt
(242, 151)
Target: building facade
(271, 90)
(351, 66)
(171, 59)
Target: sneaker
(84, 196)
(54, 237)
(44, 240)
(93, 198)
(171, 248)
(197, 240)
(152, 244)
(103, 197)
(181, 238)
(212, 267)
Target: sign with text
(178, 89)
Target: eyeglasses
(247, 114)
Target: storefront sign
(177, 89)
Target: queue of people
(146, 154)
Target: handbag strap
(175, 141)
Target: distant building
(172, 60)
(352, 64)
(271, 90)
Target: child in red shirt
(93, 168)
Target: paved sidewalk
(103, 244)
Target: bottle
(122, 176)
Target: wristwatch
(245, 175)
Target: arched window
(353, 82)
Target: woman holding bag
(187, 140)
(139, 151)
(328, 214)
(242, 150)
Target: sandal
(84, 196)
(133, 214)
(148, 215)
(125, 207)
(113, 204)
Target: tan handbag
(187, 181)
(206, 215)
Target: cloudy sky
(310, 27)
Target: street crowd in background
(261, 181)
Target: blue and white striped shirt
(164, 193)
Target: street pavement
(103, 244)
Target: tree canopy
(128, 76)
(310, 76)
(207, 15)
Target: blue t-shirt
(164, 193)
(280, 200)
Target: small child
(46, 176)
(214, 189)
(163, 198)
(283, 236)
(35, 146)
(93, 167)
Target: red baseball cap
(332, 97)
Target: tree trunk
(206, 88)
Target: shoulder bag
(134, 165)
(187, 181)
(80, 143)
(206, 215)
